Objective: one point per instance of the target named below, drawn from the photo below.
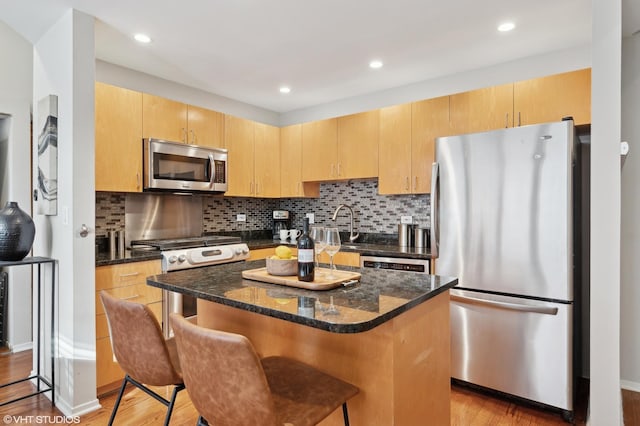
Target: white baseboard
(79, 410)
(629, 385)
(22, 347)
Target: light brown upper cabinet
(319, 150)
(254, 158)
(429, 120)
(546, 99)
(291, 184)
(481, 110)
(395, 176)
(163, 118)
(342, 148)
(407, 144)
(239, 137)
(266, 161)
(358, 136)
(118, 144)
(178, 122)
(205, 127)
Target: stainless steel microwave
(179, 167)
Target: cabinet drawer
(140, 293)
(125, 274)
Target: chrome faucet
(352, 237)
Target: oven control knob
(172, 259)
(238, 251)
(182, 258)
(245, 250)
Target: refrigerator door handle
(547, 310)
(433, 201)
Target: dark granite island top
(380, 295)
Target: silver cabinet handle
(138, 180)
(132, 274)
(185, 138)
(193, 137)
(415, 183)
(339, 169)
(406, 185)
(506, 120)
(433, 202)
(547, 310)
(519, 121)
(84, 231)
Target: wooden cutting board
(321, 281)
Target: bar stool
(141, 350)
(230, 385)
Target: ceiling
(246, 49)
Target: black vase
(17, 232)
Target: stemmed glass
(317, 235)
(332, 246)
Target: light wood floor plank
(468, 406)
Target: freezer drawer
(518, 346)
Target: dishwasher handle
(547, 310)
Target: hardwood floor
(468, 407)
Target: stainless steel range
(186, 253)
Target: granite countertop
(364, 249)
(105, 258)
(371, 245)
(380, 295)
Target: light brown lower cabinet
(125, 281)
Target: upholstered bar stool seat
(230, 385)
(141, 350)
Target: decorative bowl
(282, 267)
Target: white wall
(630, 238)
(15, 100)
(64, 65)
(605, 400)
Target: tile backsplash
(373, 213)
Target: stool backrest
(137, 342)
(223, 376)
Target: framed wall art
(47, 199)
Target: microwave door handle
(212, 171)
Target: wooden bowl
(282, 267)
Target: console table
(42, 384)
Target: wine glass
(317, 235)
(332, 246)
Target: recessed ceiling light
(285, 89)
(507, 26)
(375, 64)
(142, 38)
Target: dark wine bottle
(306, 266)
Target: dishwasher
(420, 266)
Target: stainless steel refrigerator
(502, 211)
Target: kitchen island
(388, 334)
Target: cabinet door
(358, 145)
(267, 160)
(291, 184)
(205, 127)
(118, 118)
(319, 151)
(394, 166)
(163, 118)
(481, 110)
(238, 139)
(429, 120)
(551, 98)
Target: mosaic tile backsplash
(373, 213)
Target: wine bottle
(305, 254)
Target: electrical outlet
(241, 218)
(406, 219)
(312, 218)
